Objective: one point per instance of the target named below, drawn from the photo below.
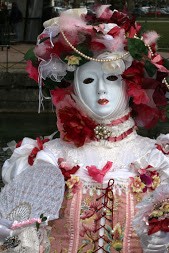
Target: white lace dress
(90, 219)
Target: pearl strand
(91, 58)
(159, 204)
(151, 51)
(165, 82)
(147, 45)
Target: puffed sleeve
(151, 221)
(25, 156)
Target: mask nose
(101, 88)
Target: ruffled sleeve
(154, 159)
(18, 162)
(159, 157)
(25, 156)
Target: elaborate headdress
(112, 38)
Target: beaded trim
(91, 58)
(147, 45)
(165, 82)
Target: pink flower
(32, 71)
(42, 51)
(59, 94)
(103, 12)
(158, 62)
(139, 95)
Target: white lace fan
(36, 191)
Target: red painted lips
(103, 101)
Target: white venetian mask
(102, 94)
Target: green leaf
(37, 225)
(69, 76)
(137, 48)
(30, 55)
(108, 248)
(150, 68)
(166, 63)
(41, 216)
(109, 232)
(44, 219)
(50, 84)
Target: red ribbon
(97, 174)
(122, 136)
(35, 150)
(119, 121)
(159, 147)
(18, 144)
(107, 196)
(156, 225)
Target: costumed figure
(101, 186)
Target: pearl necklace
(91, 58)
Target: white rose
(73, 12)
(118, 66)
(50, 22)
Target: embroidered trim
(95, 188)
(126, 242)
(74, 224)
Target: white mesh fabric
(41, 187)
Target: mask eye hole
(112, 78)
(88, 80)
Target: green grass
(162, 28)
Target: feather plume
(150, 37)
(71, 22)
(113, 43)
(104, 12)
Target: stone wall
(19, 93)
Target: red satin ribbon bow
(97, 174)
(35, 150)
(156, 225)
